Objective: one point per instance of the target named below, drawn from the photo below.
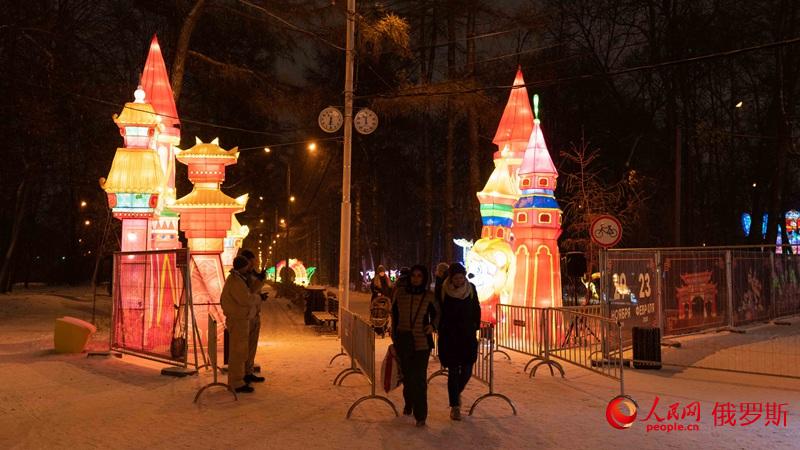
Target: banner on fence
(632, 291)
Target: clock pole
(344, 230)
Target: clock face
(365, 121)
(330, 119)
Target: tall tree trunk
(451, 136)
(182, 48)
(473, 130)
(20, 210)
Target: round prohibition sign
(606, 231)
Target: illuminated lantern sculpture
(537, 226)
(206, 214)
(135, 179)
(302, 275)
(133, 186)
(491, 262)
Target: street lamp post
(344, 228)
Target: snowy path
(49, 400)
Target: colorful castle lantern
(537, 226)
(491, 260)
(134, 182)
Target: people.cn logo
(621, 412)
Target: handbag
(391, 376)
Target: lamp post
(344, 226)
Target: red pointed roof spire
(517, 121)
(155, 82)
(537, 157)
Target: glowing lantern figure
(537, 226)
(206, 218)
(302, 275)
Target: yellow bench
(71, 334)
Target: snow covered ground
(71, 401)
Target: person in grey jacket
(413, 316)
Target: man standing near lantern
(255, 281)
(238, 305)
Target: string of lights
(554, 81)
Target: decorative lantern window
(522, 217)
(544, 218)
(137, 137)
(526, 182)
(500, 232)
(543, 182)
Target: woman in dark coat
(459, 321)
(413, 313)
(381, 284)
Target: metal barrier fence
(483, 369)
(689, 290)
(152, 307)
(358, 340)
(346, 320)
(588, 341)
(212, 356)
(523, 330)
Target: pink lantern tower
(163, 231)
(537, 226)
(515, 127)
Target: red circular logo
(621, 412)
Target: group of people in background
(453, 311)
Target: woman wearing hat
(381, 284)
(460, 319)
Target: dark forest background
(639, 108)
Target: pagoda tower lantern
(515, 127)
(497, 201)
(537, 226)
(206, 211)
(135, 179)
(155, 83)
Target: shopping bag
(391, 377)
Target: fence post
(621, 361)
(659, 293)
(772, 279)
(729, 285)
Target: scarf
(461, 293)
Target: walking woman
(413, 313)
(459, 321)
